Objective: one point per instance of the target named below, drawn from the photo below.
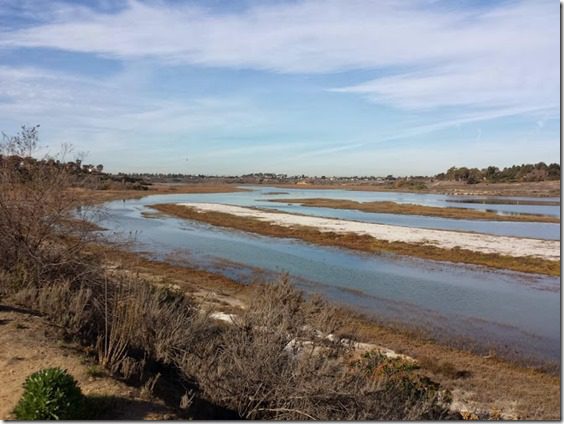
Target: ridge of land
(413, 209)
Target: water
(259, 197)
(517, 312)
(437, 200)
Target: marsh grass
(412, 209)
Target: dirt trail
(503, 245)
(28, 343)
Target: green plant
(50, 393)
(95, 371)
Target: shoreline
(94, 197)
(533, 189)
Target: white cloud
(115, 114)
(494, 57)
(306, 36)
(487, 83)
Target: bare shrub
(146, 323)
(271, 363)
(274, 364)
(38, 240)
(132, 324)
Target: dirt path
(28, 343)
(503, 245)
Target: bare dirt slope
(28, 343)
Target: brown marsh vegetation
(412, 209)
(365, 243)
(489, 201)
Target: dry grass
(30, 344)
(274, 362)
(412, 209)
(364, 242)
(489, 201)
(207, 288)
(485, 382)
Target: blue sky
(330, 87)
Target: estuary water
(517, 314)
(262, 197)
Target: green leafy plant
(50, 394)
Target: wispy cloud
(107, 115)
(501, 56)
(447, 63)
(304, 36)
(486, 83)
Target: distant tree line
(516, 173)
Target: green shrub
(50, 393)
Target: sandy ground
(503, 245)
(28, 344)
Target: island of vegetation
(412, 209)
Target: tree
(474, 176)
(492, 173)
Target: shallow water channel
(517, 313)
(261, 197)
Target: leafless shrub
(38, 240)
(144, 322)
(273, 363)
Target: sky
(333, 87)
